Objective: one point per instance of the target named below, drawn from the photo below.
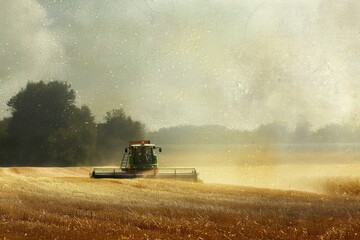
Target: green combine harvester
(140, 161)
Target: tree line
(47, 128)
(272, 133)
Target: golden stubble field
(64, 203)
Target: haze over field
(235, 63)
(273, 166)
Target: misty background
(251, 92)
(241, 64)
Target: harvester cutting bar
(163, 173)
(177, 173)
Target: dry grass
(346, 186)
(63, 203)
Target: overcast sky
(236, 63)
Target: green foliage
(114, 134)
(76, 144)
(3, 140)
(47, 128)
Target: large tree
(47, 128)
(115, 132)
(3, 141)
(302, 132)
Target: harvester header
(140, 161)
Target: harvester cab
(140, 155)
(140, 161)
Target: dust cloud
(265, 167)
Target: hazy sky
(236, 63)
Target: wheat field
(64, 203)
